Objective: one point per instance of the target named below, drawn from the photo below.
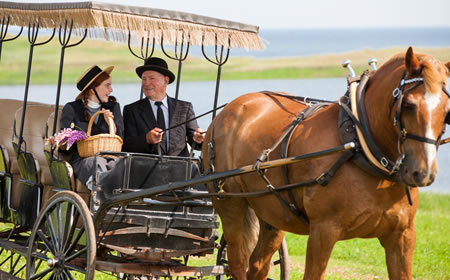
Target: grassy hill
(13, 63)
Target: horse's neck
(378, 100)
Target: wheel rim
(62, 242)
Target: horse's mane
(429, 68)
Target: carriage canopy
(115, 22)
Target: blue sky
(312, 13)
(315, 13)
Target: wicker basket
(101, 142)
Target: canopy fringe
(115, 26)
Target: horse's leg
(322, 238)
(240, 229)
(399, 248)
(269, 240)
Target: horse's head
(419, 109)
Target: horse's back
(249, 124)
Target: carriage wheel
(62, 242)
(11, 262)
(282, 260)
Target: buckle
(384, 161)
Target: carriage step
(14, 247)
(7, 276)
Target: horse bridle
(397, 97)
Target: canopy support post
(180, 57)
(4, 31)
(142, 56)
(219, 61)
(64, 39)
(33, 30)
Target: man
(146, 119)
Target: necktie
(161, 123)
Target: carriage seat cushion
(34, 132)
(8, 107)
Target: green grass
(45, 64)
(364, 258)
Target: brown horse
(355, 203)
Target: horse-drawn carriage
(342, 170)
(135, 222)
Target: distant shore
(46, 62)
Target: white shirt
(165, 109)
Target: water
(303, 42)
(201, 94)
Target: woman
(95, 87)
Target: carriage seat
(8, 107)
(35, 168)
(8, 161)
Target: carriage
(149, 216)
(153, 214)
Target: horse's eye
(410, 107)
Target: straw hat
(89, 76)
(156, 64)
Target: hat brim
(141, 69)
(107, 70)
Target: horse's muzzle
(413, 175)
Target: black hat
(155, 64)
(89, 76)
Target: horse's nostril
(419, 176)
(416, 176)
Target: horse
(356, 203)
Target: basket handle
(108, 120)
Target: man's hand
(154, 136)
(199, 135)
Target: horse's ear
(448, 67)
(411, 62)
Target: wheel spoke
(48, 245)
(75, 242)
(51, 229)
(73, 227)
(77, 253)
(42, 274)
(74, 267)
(69, 216)
(59, 224)
(68, 274)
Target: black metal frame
(4, 31)
(142, 56)
(219, 61)
(180, 57)
(33, 31)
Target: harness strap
(325, 177)
(382, 161)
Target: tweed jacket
(139, 120)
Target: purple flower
(66, 138)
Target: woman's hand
(108, 114)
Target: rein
(197, 117)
